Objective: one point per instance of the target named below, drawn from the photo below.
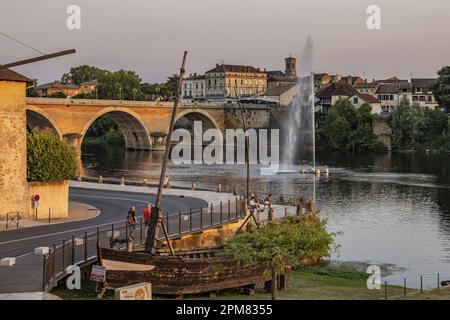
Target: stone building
(287, 78)
(227, 81)
(194, 88)
(70, 90)
(422, 94)
(14, 187)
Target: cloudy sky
(149, 36)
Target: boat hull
(177, 275)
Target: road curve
(113, 206)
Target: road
(113, 206)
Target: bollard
(49, 215)
(385, 290)
(79, 178)
(98, 236)
(219, 187)
(236, 202)
(85, 246)
(234, 190)
(229, 209)
(100, 179)
(193, 186)
(221, 212)
(190, 219)
(145, 183)
(122, 181)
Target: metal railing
(81, 250)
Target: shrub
(49, 158)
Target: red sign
(98, 273)
(36, 198)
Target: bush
(49, 158)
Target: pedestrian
(146, 213)
(131, 222)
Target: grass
(325, 282)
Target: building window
(355, 100)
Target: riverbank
(321, 282)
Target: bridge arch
(41, 120)
(192, 115)
(133, 127)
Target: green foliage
(416, 128)
(287, 243)
(119, 85)
(49, 158)
(441, 88)
(346, 127)
(104, 130)
(82, 74)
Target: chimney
(195, 74)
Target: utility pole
(157, 219)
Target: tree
(81, 74)
(279, 245)
(49, 158)
(171, 85)
(119, 85)
(441, 88)
(401, 125)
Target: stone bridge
(142, 123)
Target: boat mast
(157, 220)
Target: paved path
(113, 201)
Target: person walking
(131, 222)
(146, 213)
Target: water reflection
(392, 208)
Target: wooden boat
(184, 273)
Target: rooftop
(341, 88)
(9, 75)
(235, 68)
(422, 82)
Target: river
(392, 209)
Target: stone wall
(53, 196)
(254, 118)
(383, 131)
(13, 158)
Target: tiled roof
(368, 98)
(197, 77)
(393, 88)
(9, 75)
(279, 90)
(422, 82)
(56, 85)
(340, 88)
(366, 85)
(234, 68)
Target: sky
(149, 36)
